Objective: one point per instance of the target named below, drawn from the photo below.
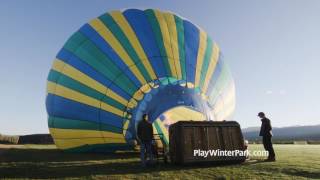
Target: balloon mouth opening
(167, 101)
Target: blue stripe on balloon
(88, 31)
(191, 36)
(140, 24)
(65, 108)
(77, 63)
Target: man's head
(261, 115)
(145, 117)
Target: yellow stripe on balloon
(73, 143)
(130, 34)
(80, 133)
(132, 103)
(57, 65)
(226, 112)
(229, 94)
(71, 138)
(77, 75)
(230, 110)
(107, 35)
(212, 65)
(145, 88)
(174, 42)
(226, 98)
(125, 127)
(201, 53)
(219, 105)
(138, 95)
(166, 40)
(65, 92)
(182, 113)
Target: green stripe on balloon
(63, 123)
(206, 61)
(91, 55)
(157, 32)
(112, 25)
(110, 147)
(77, 86)
(53, 76)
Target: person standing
(145, 135)
(266, 133)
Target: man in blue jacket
(145, 135)
(266, 134)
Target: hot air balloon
(124, 64)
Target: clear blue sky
(272, 47)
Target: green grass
(42, 161)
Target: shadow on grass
(53, 163)
(56, 155)
(254, 161)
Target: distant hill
(286, 133)
(251, 129)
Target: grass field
(42, 161)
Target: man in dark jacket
(145, 135)
(266, 134)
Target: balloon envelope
(124, 64)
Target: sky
(272, 48)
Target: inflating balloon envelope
(122, 65)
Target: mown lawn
(41, 161)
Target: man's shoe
(272, 159)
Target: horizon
(284, 126)
(242, 128)
(272, 51)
